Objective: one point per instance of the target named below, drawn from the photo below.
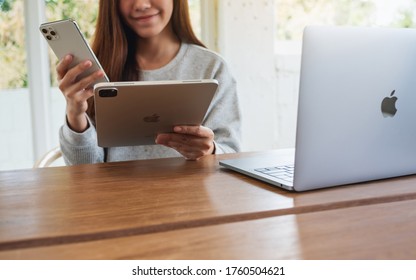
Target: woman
(148, 40)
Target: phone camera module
(108, 92)
(50, 34)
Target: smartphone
(65, 37)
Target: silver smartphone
(64, 37)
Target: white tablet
(133, 113)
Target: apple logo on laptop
(388, 105)
(153, 118)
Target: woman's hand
(76, 92)
(193, 142)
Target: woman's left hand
(193, 142)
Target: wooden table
(348, 233)
(128, 209)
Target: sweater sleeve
(223, 116)
(80, 148)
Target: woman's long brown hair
(115, 43)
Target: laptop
(356, 117)
(133, 113)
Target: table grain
(64, 205)
(384, 231)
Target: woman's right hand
(76, 92)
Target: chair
(48, 158)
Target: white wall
(266, 84)
(287, 65)
(16, 149)
(16, 142)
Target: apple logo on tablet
(388, 105)
(153, 118)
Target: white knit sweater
(223, 117)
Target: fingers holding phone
(78, 72)
(74, 77)
(76, 92)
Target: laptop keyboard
(284, 172)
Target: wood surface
(374, 232)
(66, 205)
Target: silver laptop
(356, 113)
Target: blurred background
(261, 41)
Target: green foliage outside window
(13, 58)
(5, 5)
(293, 15)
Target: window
(15, 123)
(12, 45)
(293, 15)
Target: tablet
(133, 113)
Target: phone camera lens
(53, 33)
(49, 37)
(44, 30)
(108, 93)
